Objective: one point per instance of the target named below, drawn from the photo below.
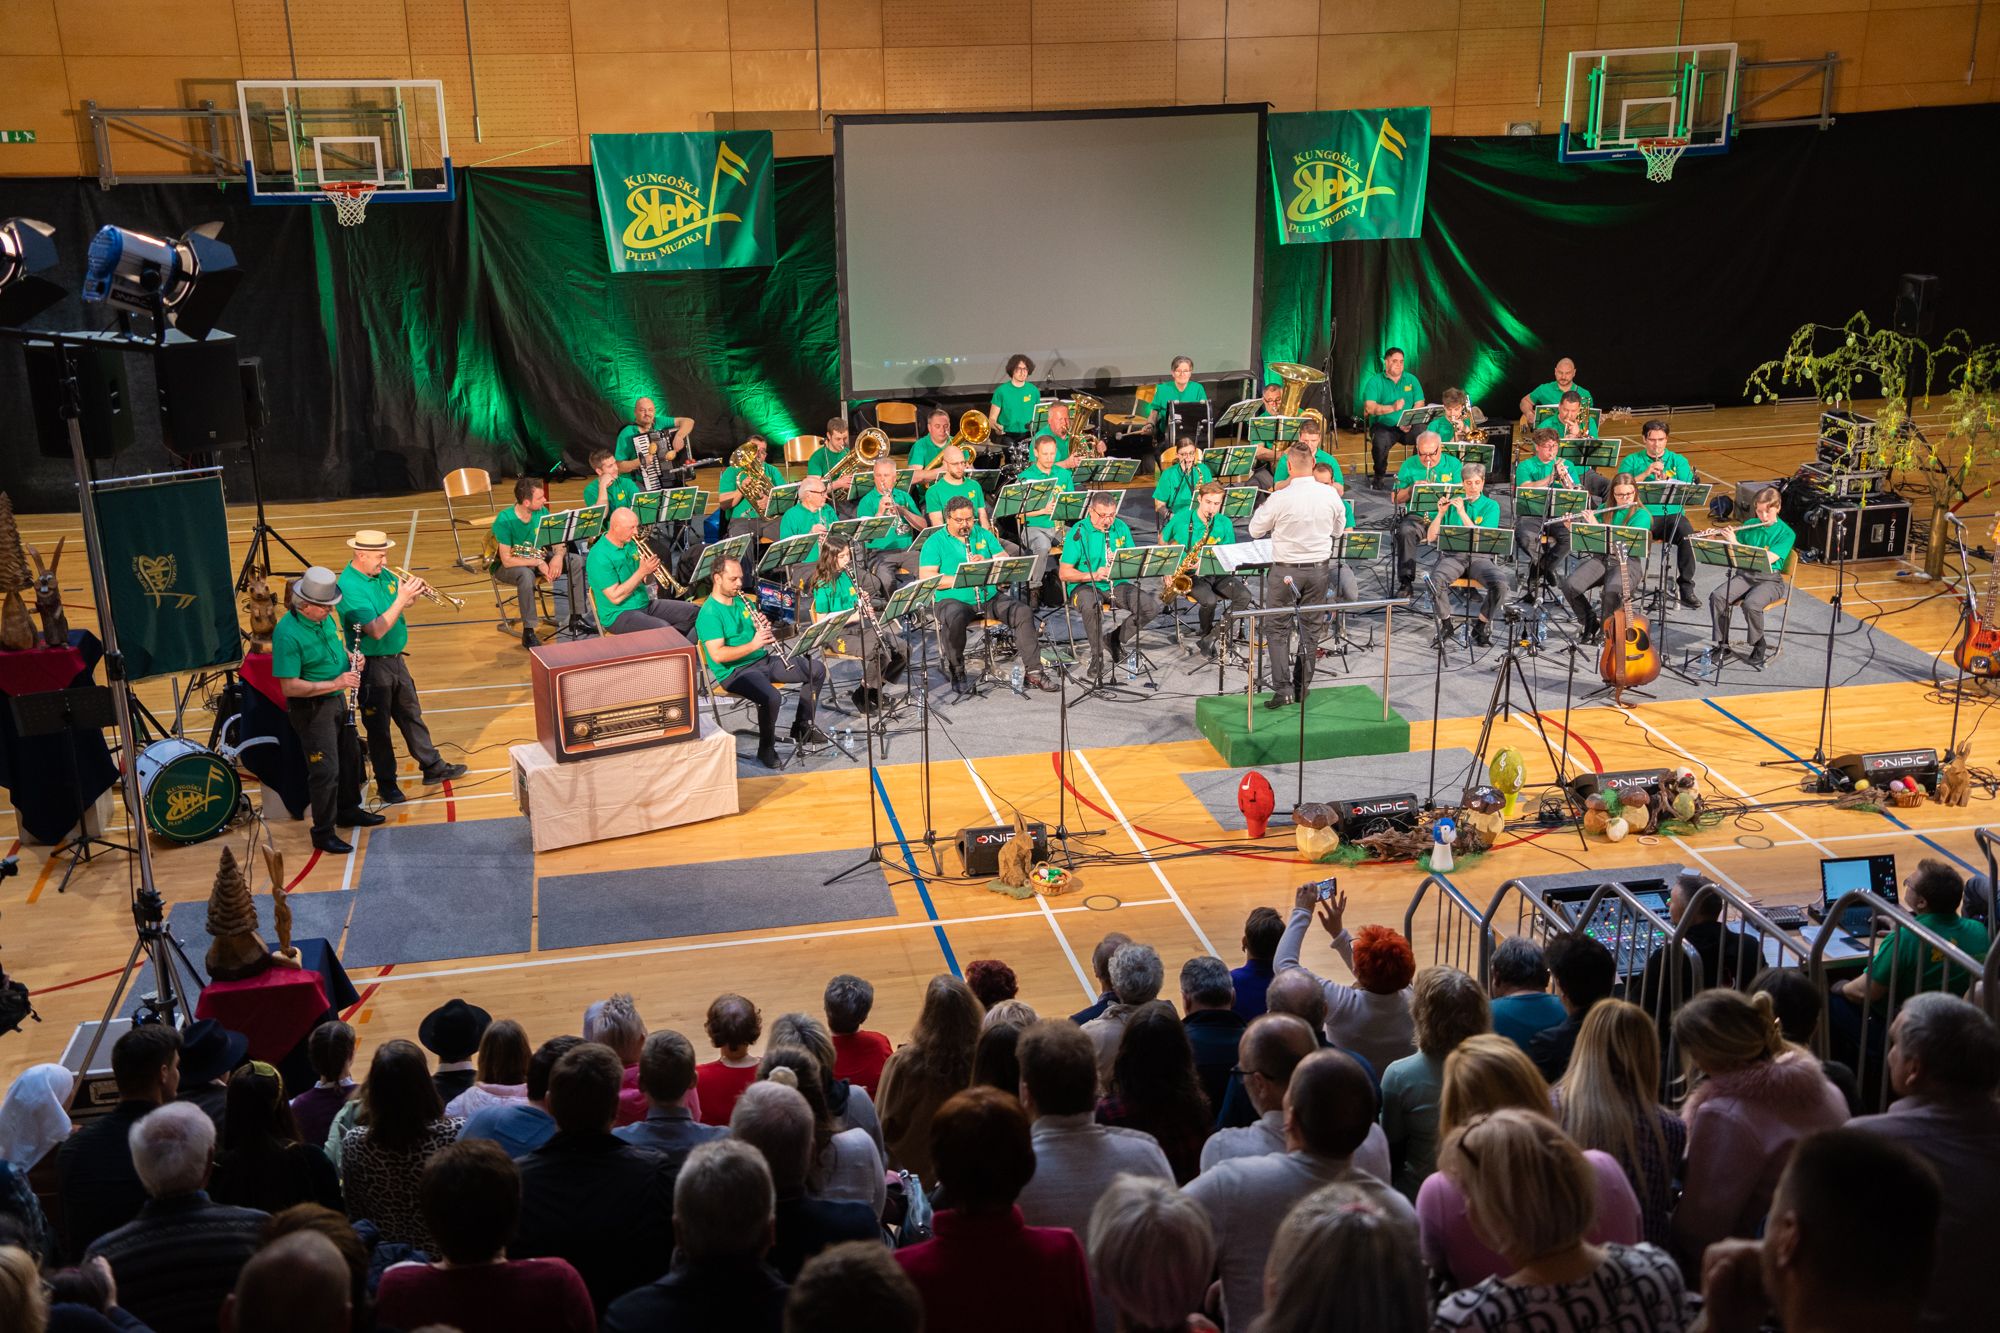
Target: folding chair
(460, 485)
(1785, 618)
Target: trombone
(436, 597)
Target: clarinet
(757, 621)
(863, 602)
(353, 693)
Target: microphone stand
(1967, 614)
(1297, 669)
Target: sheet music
(1233, 556)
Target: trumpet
(432, 594)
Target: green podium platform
(1341, 720)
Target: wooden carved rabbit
(48, 598)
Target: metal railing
(1989, 846)
(1459, 935)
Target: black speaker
(979, 845)
(1358, 818)
(201, 396)
(1883, 766)
(1586, 785)
(1916, 303)
(254, 416)
(102, 394)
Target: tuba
(1297, 379)
(1084, 411)
(750, 478)
(870, 445)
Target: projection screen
(1102, 244)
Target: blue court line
(1926, 841)
(923, 890)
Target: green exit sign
(17, 136)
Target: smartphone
(1326, 888)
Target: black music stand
(64, 713)
(1196, 418)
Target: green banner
(685, 201)
(166, 563)
(1350, 175)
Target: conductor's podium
(1340, 721)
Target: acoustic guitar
(1631, 658)
(1978, 653)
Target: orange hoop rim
(350, 189)
(1665, 141)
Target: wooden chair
(461, 485)
(800, 449)
(893, 419)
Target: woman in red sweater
(733, 1026)
(986, 1269)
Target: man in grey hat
(373, 600)
(314, 669)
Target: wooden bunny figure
(48, 598)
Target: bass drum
(188, 791)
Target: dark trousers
(1594, 571)
(1754, 593)
(1543, 558)
(389, 695)
(1492, 579)
(759, 683)
(1381, 439)
(884, 656)
(1409, 540)
(1138, 605)
(1208, 592)
(954, 617)
(1674, 528)
(1309, 584)
(333, 756)
(660, 613)
(881, 573)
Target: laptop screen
(1842, 875)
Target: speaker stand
(262, 532)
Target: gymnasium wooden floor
(1189, 895)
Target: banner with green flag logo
(685, 201)
(1350, 175)
(166, 564)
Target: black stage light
(188, 280)
(27, 252)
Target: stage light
(190, 279)
(27, 253)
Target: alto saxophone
(1181, 582)
(758, 621)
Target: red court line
(80, 981)
(1055, 761)
(450, 806)
(367, 994)
(311, 861)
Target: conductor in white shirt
(1302, 518)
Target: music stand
(1731, 556)
(1231, 460)
(64, 713)
(1591, 453)
(729, 548)
(1427, 496)
(1194, 418)
(1239, 502)
(1416, 420)
(1471, 451)
(801, 549)
(1103, 471)
(1459, 540)
(1023, 497)
(1548, 502)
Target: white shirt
(1301, 518)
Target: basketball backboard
(1613, 99)
(302, 135)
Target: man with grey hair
(1474, 509)
(299, 1283)
(1519, 992)
(1213, 1027)
(777, 1121)
(1271, 1049)
(178, 1260)
(1136, 976)
(1944, 1061)
(723, 1226)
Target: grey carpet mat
(1334, 779)
(432, 891)
(314, 916)
(712, 898)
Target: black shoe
(390, 795)
(767, 755)
(1482, 634)
(332, 843)
(1757, 657)
(359, 819)
(1592, 636)
(894, 671)
(810, 735)
(1689, 600)
(1447, 630)
(530, 639)
(1205, 645)
(446, 774)
(1277, 701)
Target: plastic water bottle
(845, 738)
(1018, 678)
(1132, 662)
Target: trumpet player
(1205, 525)
(619, 569)
(1541, 545)
(743, 656)
(885, 554)
(372, 602)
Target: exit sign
(17, 136)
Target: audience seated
(1728, 957)
(521, 1127)
(1018, 1012)
(384, 1158)
(723, 1225)
(986, 1270)
(991, 980)
(353, 1251)
(858, 1054)
(1100, 967)
(1847, 1247)
(1446, 1007)
(851, 1106)
(1271, 1049)
(935, 1063)
(994, 1060)
(1371, 1017)
(1799, 1008)
(1329, 1106)
(590, 1197)
(1263, 929)
(1344, 1229)
(666, 1077)
(733, 1026)
(777, 1120)
(1944, 1062)
(262, 1164)
(1489, 1073)
(1529, 1190)
(1905, 964)
(1151, 1251)
(614, 1024)
(33, 1124)
(209, 1052)
(856, 1285)
(176, 1262)
(1208, 998)
(82, 1300)
(1154, 1088)
(500, 1070)
(99, 1186)
(330, 1049)
(295, 1284)
(1584, 973)
(1136, 978)
(1610, 1100)
(1518, 988)
(841, 1165)
(1075, 1159)
(452, 1033)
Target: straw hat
(368, 539)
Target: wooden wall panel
(955, 22)
(1105, 74)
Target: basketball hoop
(350, 200)
(1660, 155)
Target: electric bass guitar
(1978, 653)
(1631, 658)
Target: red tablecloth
(256, 672)
(38, 670)
(276, 1009)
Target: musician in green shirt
(1174, 492)
(1204, 525)
(1474, 509)
(620, 569)
(311, 665)
(516, 559)
(825, 458)
(927, 454)
(1754, 590)
(1384, 399)
(1180, 388)
(1601, 572)
(1543, 398)
(1057, 428)
(1430, 464)
(1574, 419)
(955, 482)
(743, 513)
(944, 552)
(740, 655)
(1311, 437)
(1659, 463)
(621, 487)
(884, 559)
(373, 602)
(1011, 410)
(1542, 545)
(1038, 526)
(1086, 571)
(884, 652)
(678, 452)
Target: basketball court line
(993, 813)
(1117, 813)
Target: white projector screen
(1102, 244)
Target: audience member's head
(854, 1285)
(733, 1025)
(340, 1233)
(946, 1031)
(1206, 984)
(296, 1284)
(146, 1063)
(724, 1206)
(1933, 889)
(1058, 1069)
(1151, 1252)
(982, 1150)
(1944, 1047)
(1100, 957)
(778, 1121)
(1529, 1191)
(1014, 1013)
(995, 1061)
(543, 1063)
(1383, 963)
(583, 1090)
(22, 1305)
(470, 1194)
(1447, 1006)
(1583, 970)
(330, 1050)
(503, 1054)
(614, 1022)
(1154, 1065)
(810, 1035)
(1136, 974)
(89, 1285)
(1268, 1052)
(1720, 1031)
(666, 1067)
(1519, 967)
(796, 1067)
(1488, 1073)
(1794, 999)
(848, 1001)
(172, 1149)
(256, 1113)
(1827, 1246)
(1611, 1090)
(1343, 1229)
(1263, 929)
(1329, 1105)
(1298, 993)
(991, 980)
(398, 1099)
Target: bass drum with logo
(188, 791)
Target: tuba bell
(973, 429)
(1297, 379)
(750, 478)
(870, 445)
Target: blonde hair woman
(1756, 1094)
(1381, 1287)
(1531, 1193)
(23, 1307)
(1151, 1253)
(1446, 1006)
(1610, 1100)
(1486, 1074)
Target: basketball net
(1660, 155)
(350, 200)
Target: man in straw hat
(372, 603)
(311, 665)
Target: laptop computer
(1840, 875)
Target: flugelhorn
(432, 594)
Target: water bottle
(845, 737)
(1018, 678)
(1132, 662)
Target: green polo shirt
(838, 595)
(1057, 474)
(1532, 471)
(1678, 468)
(822, 461)
(301, 650)
(1448, 471)
(1379, 388)
(1062, 443)
(1589, 428)
(947, 553)
(624, 450)
(799, 520)
(1086, 548)
(1550, 394)
(729, 622)
(1184, 529)
(511, 530)
(871, 505)
(732, 477)
(608, 565)
(926, 451)
(1776, 537)
(1484, 513)
(939, 492)
(362, 599)
(1176, 489)
(1165, 393)
(622, 491)
(1631, 516)
(1912, 958)
(1016, 406)
(1283, 470)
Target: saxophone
(1181, 582)
(757, 621)
(750, 478)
